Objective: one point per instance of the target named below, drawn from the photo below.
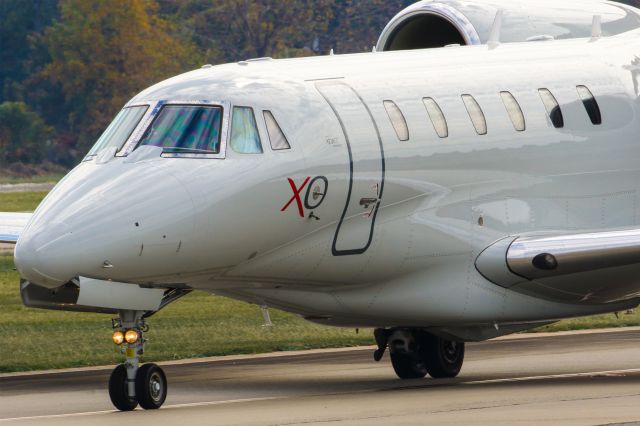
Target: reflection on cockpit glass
(186, 129)
(119, 130)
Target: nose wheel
(151, 387)
(131, 384)
(118, 390)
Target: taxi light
(118, 337)
(131, 336)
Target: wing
(594, 267)
(11, 225)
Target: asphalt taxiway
(26, 187)
(585, 378)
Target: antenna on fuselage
(494, 37)
(331, 52)
(596, 28)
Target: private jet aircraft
(475, 175)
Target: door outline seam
(334, 250)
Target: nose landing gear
(130, 384)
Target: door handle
(366, 202)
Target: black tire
(118, 390)
(443, 358)
(151, 387)
(408, 366)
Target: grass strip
(20, 201)
(198, 325)
(47, 178)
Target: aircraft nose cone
(118, 221)
(40, 257)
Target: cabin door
(366, 168)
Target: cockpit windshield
(191, 129)
(119, 130)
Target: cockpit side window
(192, 129)
(276, 136)
(119, 130)
(245, 138)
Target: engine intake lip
(443, 11)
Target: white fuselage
(403, 257)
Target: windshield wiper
(181, 149)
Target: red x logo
(296, 195)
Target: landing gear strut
(131, 384)
(416, 353)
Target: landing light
(545, 261)
(131, 336)
(118, 337)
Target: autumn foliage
(99, 71)
(68, 66)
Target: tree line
(68, 66)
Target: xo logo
(314, 196)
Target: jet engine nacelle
(438, 23)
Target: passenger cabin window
(476, 114)
(188, 129)
(437, 117)
(553, 108)
(119, 130)
(590, 104)
(514, 111)
(245, 138)
(397, 120)
(276, 137)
